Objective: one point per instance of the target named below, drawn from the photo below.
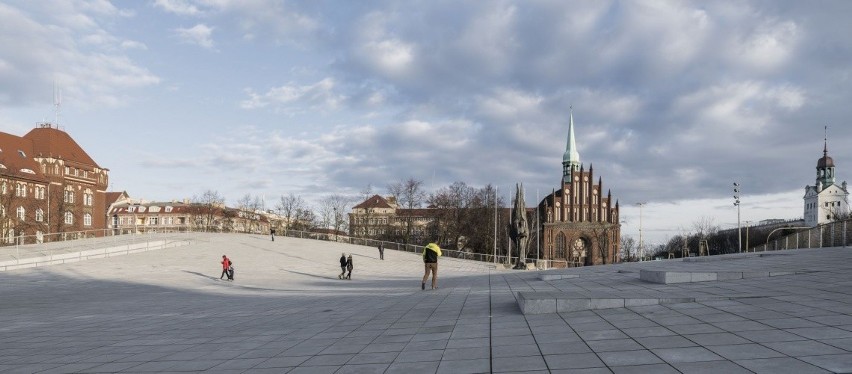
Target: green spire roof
(571, 156)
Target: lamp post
(737, 204)
(641, 245)
(335, 223)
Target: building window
(20, 190)
(39, 215)
(87, 198)
(153, 221)
(87, 219)
(69, 195)
(21, 213)
(40, 192)
(69, 218)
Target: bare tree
(289, 207)
(304, 219)
(453, 206)
(628, 248)
(205, 207)
(332, 209)
(248, 207)
(409, 194)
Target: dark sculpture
(519, 229)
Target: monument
(519, 230)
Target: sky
(673, 101)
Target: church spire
(571, 157)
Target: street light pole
(641, 243)
(737, 204)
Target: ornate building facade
(580, 225)
(49, 184)
(825, 201)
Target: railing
(834, 234)
(90, 244)
(417, 248)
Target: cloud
(293, 98)
(181, 7)
(69, 48)
(199, 34)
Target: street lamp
(641, 243)
(737, 204)
(335, 223)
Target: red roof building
(49, 185)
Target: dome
(825, 162)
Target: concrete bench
(549, 277)
(560, 302)
(670, 277)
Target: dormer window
(20, 152)
(28, 171)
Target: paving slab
(107, 305)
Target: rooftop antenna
(57, 103)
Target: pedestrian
(342, 266)
(349, 267)
(272, 232)
(226, 266)
(430, 259)
(381, 252)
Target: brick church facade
(580, 225)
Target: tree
(289, 207)
(409, 194)
(332, 209)
(628, 248)
(248, 207)
(304, 219)
(206, 206)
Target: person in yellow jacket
(430, 260)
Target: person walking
(381, 252)
(272, 232)
(226, 267)
(349, 267)
(342, 266)
(430, 260)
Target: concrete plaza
(165, 310)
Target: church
(580, 225)
(825, 201)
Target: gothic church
(580, 226)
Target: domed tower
(825, 201)
(825, 168)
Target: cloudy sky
(672, 100)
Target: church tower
(571, 157)
(579, 221)
(825, 168)
(825, 201)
